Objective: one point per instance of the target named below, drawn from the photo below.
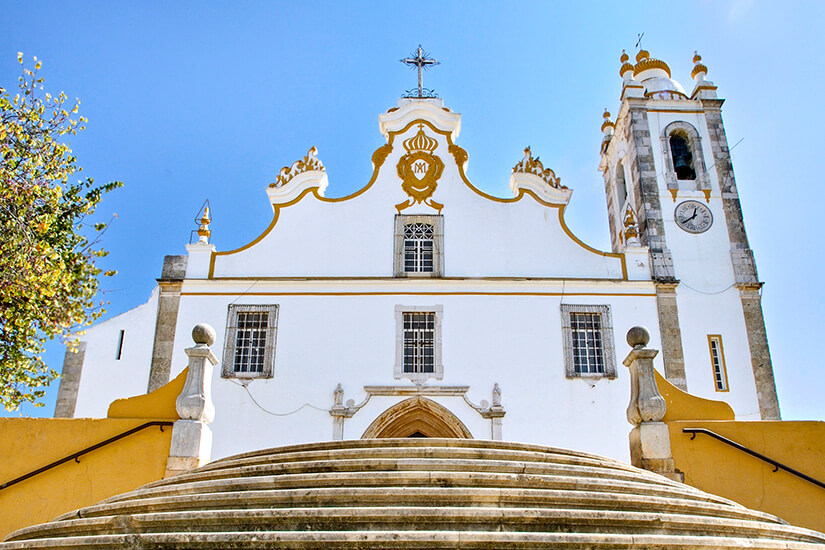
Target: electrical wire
(682, 283)
(252, 397)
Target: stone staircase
(416, 493)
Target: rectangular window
(119, 353)
(588, 354)
(418, 342)
(249, 349)
(717, 361)
(250, 342)
(419, 244)
(587, 333)
(418, 247)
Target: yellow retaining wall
(715, 467)
(29, 443)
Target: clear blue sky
(188, 101)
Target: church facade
(423, 306)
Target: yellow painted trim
(464, 178)
(414, 293)
(354, 278)
(722, 358)
(587, 247)
(676, 110)
(211, 265)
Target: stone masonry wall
(652, 234)
(174, 271)
(69, 382)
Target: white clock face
(693, 217)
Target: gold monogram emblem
(419, 171)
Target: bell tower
(668, 177)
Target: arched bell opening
(417, 417)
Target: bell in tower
(682, 158)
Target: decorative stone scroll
(530, 165)
(530, 174)
(307, 164)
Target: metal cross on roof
(419, 58)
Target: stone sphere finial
(638, 336)
(203, 334)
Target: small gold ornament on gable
(307, 164)
(530, 165)
(419, 171)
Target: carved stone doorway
(417, 417)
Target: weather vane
(420, 59)
(639, 41)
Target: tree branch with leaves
(48, 276)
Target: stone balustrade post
(191, 437)
(649, 439)
(339, 413)
(495, 413)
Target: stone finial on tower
(649, 438)
(631, 231)
(626, 70)
(203, 229)
(699, 69)
(608, 126)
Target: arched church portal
(417, 417)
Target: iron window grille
(588, 341)
(418, 342)
(419, 245)
(249, 349)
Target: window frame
(438, 367)
(231, 334)
(607, 341)
(437, 222)
(723, 374)
(694, 142)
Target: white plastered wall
(513, 340)
(105, 378)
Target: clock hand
(693, 216)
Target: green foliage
(48, 278)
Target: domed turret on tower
(654, 75)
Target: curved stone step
(432, 465)
(392, 540)
(417, 479)
(381, 450)
(416, 494)
(423, 518)
(440, 497)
